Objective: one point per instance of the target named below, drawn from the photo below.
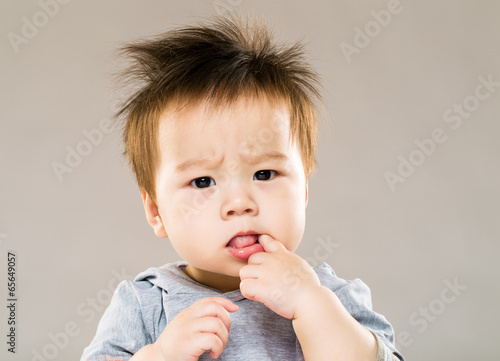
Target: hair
(218, 62)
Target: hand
(278, 278)
(202, 326)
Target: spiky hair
(218, 61)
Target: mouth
(244, 244)
(243, 239)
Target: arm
(320, 318)
(202, 326)
(329, 325)
(122, 332)
(147, 353)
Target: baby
(221, 136)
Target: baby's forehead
(248, 128)
(271, 115)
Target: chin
(232, 270)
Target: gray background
(75, 237)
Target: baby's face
(228, 172)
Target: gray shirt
(140, 310)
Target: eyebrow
(210, 163)
(202, 162)
(272, 155)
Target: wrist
(155, 352)
(151, 352)
(320, 319)
(309, 300)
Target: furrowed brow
(207, 163)
(273, 155)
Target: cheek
(188, 217)
(296, 228)
(188, 207)
(284, 215)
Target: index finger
(269, 244)
(216, 307)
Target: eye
(264, 175)
(202, 182)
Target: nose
(238, 203)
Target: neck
(218, 281)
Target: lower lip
(245, 252)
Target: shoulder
(143, 297)
(356, 298)
(148, 285)
(346, 290)
(134, 317)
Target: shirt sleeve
(383, 353)
(121, 331)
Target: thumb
(269, 244)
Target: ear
(153, 216)
(306, 191)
